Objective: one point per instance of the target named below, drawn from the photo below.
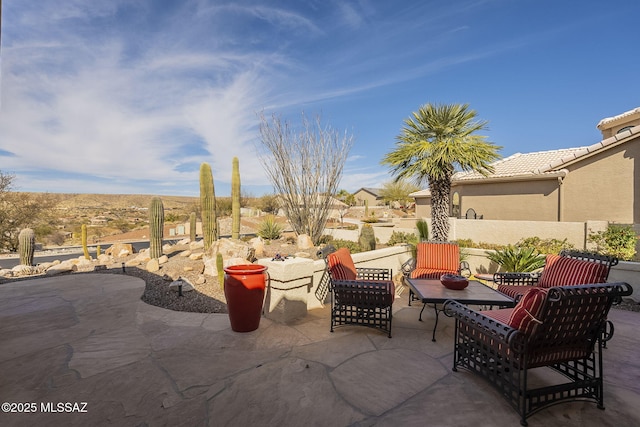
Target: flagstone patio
(88, 338)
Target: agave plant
(517, 259)
(269, 228)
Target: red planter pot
(244, 290)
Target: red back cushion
(341, 266)
(526, 314)
(440, 256)
(564, 271)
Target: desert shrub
(269, 228)
(398, 237)
(545, 246)
(367, 239)
(370, 219)
(354, 247)
(517, 258)
(423, 229)
(268, 203)
(325, 239)
(617, 240)
(468, 243)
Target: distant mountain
(120, 201)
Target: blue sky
(131, 96)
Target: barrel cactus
(367, 238)
(26, 246)
(156, 227)
(235, 199)
(85, 249)
(208, 206)
(192, 226)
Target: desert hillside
(120, 201)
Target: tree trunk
(440, 208)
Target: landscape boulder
(119, 250)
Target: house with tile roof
(599, 182)
(371, 195)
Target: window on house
(455, 205)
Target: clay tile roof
(525, 164)
(608, 120)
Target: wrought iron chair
(566, 269)
(433, 259)
(359, 296)
(560, 328)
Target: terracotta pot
(453, 281)
(244, 290)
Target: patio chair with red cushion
(359, 296)
(558, 328)
(568, 268)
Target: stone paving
(89, 339)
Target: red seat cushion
(502, 315)
(526, 314)
(514, 291)
(341, 266)
(435, 259)
(564, 271)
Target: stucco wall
(521, 200)
(602, 187)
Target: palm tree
(432, 144)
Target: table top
(432, 291)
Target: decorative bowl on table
(454, 281)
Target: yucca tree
(435, 142)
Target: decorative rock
(132, 263)
(257, 243)
(304, 242)
(196, 256)
(185, 253)
(188, 268)
(105, 259)
(5, 272)
(302, 255)
(63, 267)
(24, 270)
(229, 249)
(201, 280)
(163, 259)
(186, 286)
(153, 265)
(185, 241)
(199, 244)
(119, 250)
(167, 278)
(166, 247)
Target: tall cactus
(366, 208)
(235, 199)
(156, 227)
(220, 268)
(208, 206)
(26, 246)
(192, 226)
(85, 249)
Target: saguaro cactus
(192, 226)
(366, 208)
(85, 249)
(208, 206)
(26, 246)
(156, 227)
(235, 199)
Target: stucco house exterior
(371, 195)
(598, 182)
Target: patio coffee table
(431, 291)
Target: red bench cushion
(341, 266)
(525, 315)
(564, 271)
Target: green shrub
(515, 258)
(367, 239)
(398, 237)
(468, 243)
(354, 247)
(545, 246)
(269, 228)
(370, 219)
(325, 239)
(617, 240)
(423, 230)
